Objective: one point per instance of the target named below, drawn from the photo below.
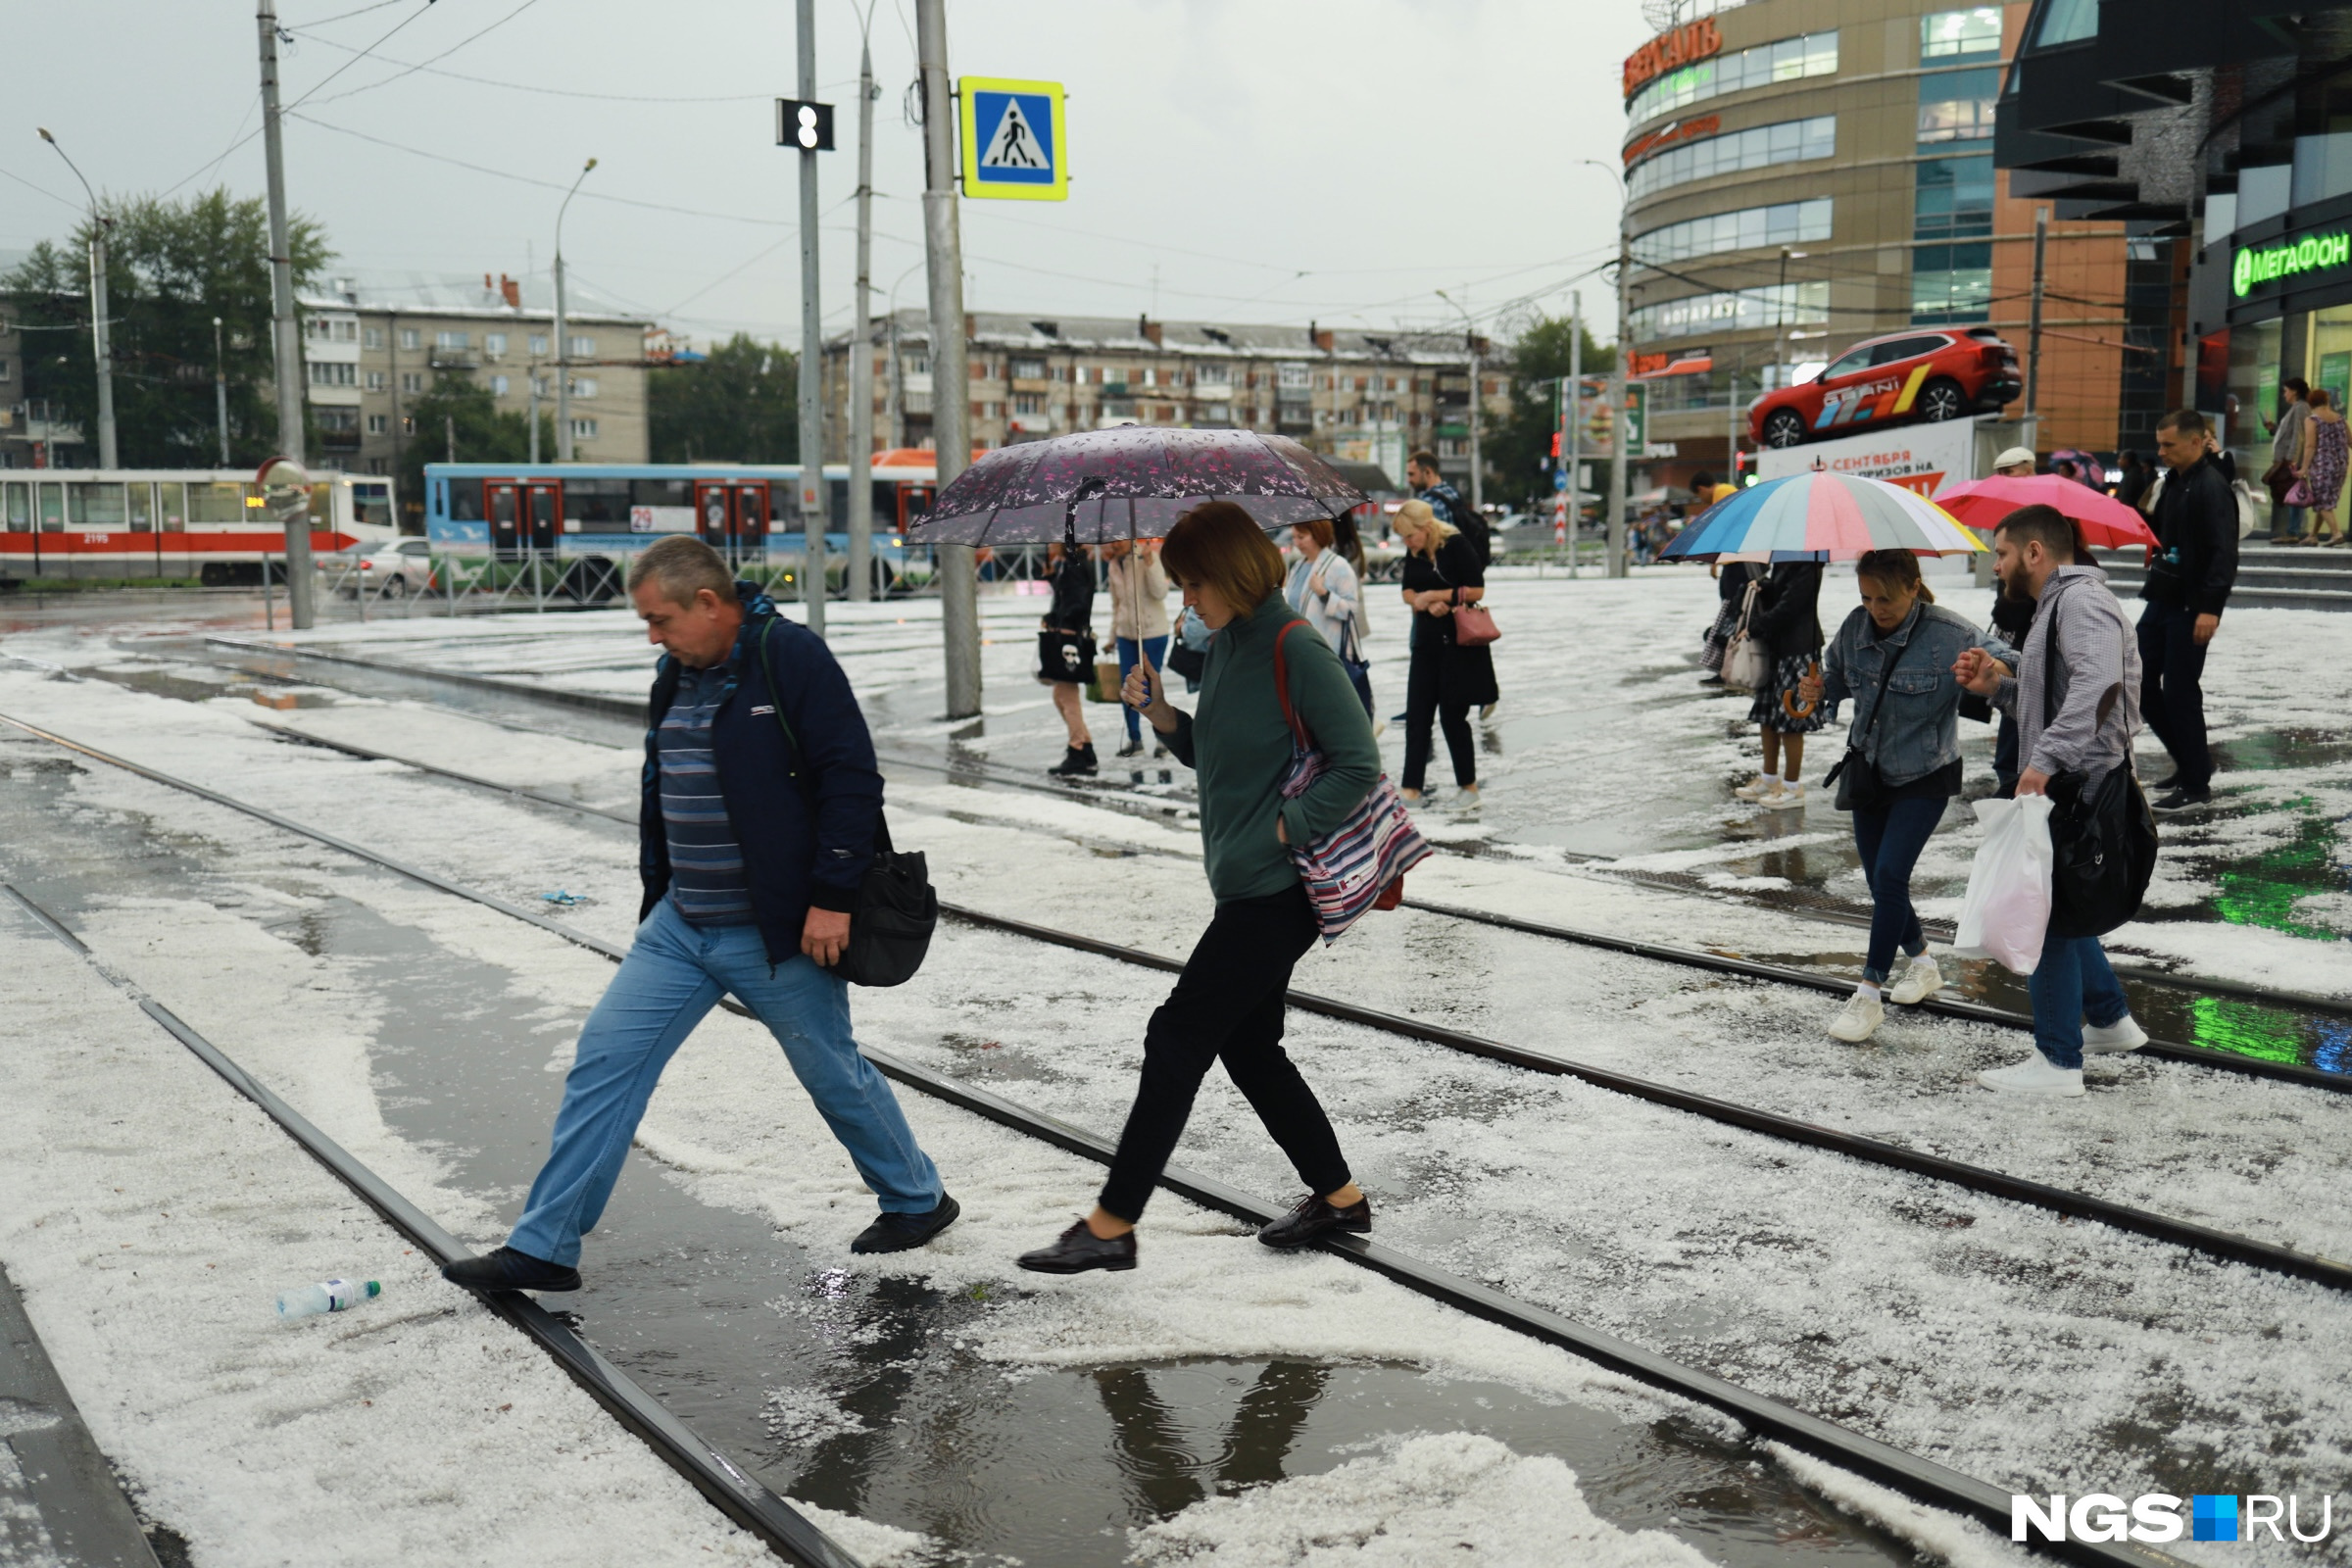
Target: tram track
(2221, 1244)
(1152, 806)
(752, 1505)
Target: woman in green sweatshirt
(1229, 1003)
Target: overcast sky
(1263, 160)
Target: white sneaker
(1761, 786)
(1786, 794)
(2035, 1075)
(2110, 1039)
(1922, 980)
(1859, 1020)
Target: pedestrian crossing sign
(1013, 142)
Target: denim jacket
(1920, 732)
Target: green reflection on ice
(2262, 891)
(2247, 1028)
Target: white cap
(2013, 457)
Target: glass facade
(1750, 310)
(1957, 105)
(1958, 34)
(1953, 200)
(1789, 142)
(1789, 60)
(1749, 228)
(2068, 21)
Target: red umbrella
(2106, 522)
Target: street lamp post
(1477, 496)
(220, 390)
(562, 329)
(862, 332)
(1619, 425)
(108, 458)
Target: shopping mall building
(2231, 125)
(1802, 174)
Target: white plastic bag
(2007, 912)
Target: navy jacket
(805, 821)
(2196, 564)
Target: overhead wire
(408, 71)
(41, 190)
(431, 69)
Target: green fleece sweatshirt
(1239, 745)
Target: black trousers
(1424, 701)
(1228, 1005)
(2171, 691)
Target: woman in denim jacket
(1910, 745)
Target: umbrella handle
(1804, 710)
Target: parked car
(1926, 373)
(394, 566)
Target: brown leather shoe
(1314, 1219)
(1078, 1249)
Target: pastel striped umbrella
(1822, 516)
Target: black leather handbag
(2102, 844)
(1859, 787)
(1065, 655)
(897, 910)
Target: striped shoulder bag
(1359, 866)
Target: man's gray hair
(680, 567)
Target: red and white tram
(206, 523)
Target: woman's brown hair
(1221, 546)
(1319, 530)
(1896, 570)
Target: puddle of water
(850, 1390)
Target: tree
(457, 419)
(171, 266)
(1518, 452)
(740, 405)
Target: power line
(379, 43)
(346, 16)
(30, 185)
(385, 81)
(523, 86)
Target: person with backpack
(1230, 1003)
(1421, 472)
(2190, 571)
(2076, 695)
(759, 817)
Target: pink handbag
(2297, 495)
(1474, 625)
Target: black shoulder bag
(1859, 787)
(2102, 845)
(890, 930)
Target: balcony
(453, 360)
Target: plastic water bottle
(335, 1296)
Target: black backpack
(890, 930)
(2102, 845)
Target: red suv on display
(1924, 373)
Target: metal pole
(1478, 478)
(1571, 407)
(563, 332)
(533, 374)
(1619, 422)
(861, 339)
(100, 348)
(285, 331)
(951, 384)
(2041, 245)
(812, 355)
(220, 390)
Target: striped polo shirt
(706, 864)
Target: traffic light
(805, 125)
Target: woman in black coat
(1072, 573)
(1788, 622)
(1446, 680)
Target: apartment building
(370, 353)
(1370, 396)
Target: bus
(206, 523)
(589, 517)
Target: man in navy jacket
(759, 806)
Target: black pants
(1228, 1004)
(2172, 692)
(1424, 694)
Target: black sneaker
(896, 1233)
(1314, 1218)
(1133, 747)
(506, 1269)
(1710, 680)
(1077, 762)
(1078, 1249)
(2170, 781)
(2181, 799)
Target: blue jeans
(1891, 837)
(675, 973)
(1157, 648)
(2072, 983)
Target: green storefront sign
(2267, 263)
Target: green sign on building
(2265, 264)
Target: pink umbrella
(2106, 522)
